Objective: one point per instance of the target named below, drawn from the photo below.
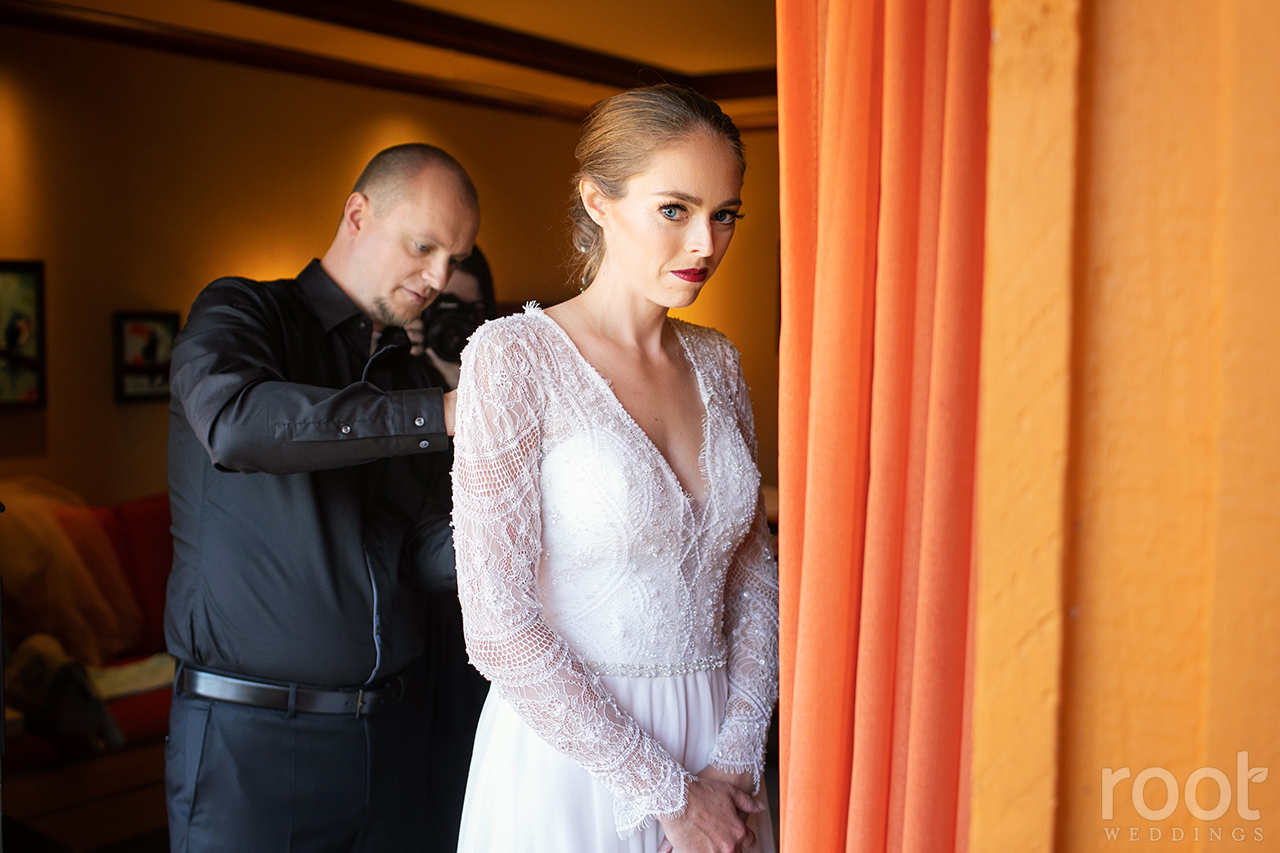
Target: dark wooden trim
(755, 83)
(137, 32)
(474, 38)
(441, 29)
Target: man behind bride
(309, 482)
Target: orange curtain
(882, 136)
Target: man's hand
(450, 410)
(448, 370)
(714, 821)
(417, 335)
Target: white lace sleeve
(751, 627)
(498, 538)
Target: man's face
(406, 254)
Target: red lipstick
(695, 274)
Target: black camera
(448, 323)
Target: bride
(613, 561)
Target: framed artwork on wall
(143, 343)
(22, 349)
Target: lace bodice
(580, 554)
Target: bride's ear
(594, 202)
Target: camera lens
(448, 323)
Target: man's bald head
(410, 219)
(391, 171)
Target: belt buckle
(359, 701)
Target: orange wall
(1173, 643)
(1129, 505)
(139, 176)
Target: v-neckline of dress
(697, 508)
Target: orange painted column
(1022, 437)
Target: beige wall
(139, 176)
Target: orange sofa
(138, 532)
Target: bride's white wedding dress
(630, 633)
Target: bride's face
(666, 236)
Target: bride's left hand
(741, 781)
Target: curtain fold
(882, 137)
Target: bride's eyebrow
(679, 196)
(693, 199)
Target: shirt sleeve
(431, 561)
(229, 380)
(751, 625)
(498, 536)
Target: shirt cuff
(420, 413)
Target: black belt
(290, 697)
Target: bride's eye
(671, 211)
(726, 217)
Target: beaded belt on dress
(634, 670)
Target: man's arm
(431, 559)
(228, 379)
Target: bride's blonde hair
(619, 139)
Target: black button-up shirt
(309, 485)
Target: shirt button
(345, 429)
(419, 421)
(424, 443)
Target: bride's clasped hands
(715, 820)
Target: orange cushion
(146, 556)
(86, 529)
(48, 588)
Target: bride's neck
(621, 315)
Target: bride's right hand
(713, 820)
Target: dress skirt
(524, 796)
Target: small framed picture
(143, 350)
(22, 366)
